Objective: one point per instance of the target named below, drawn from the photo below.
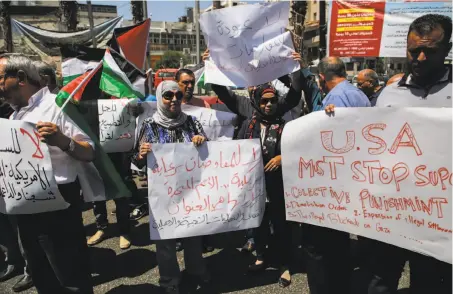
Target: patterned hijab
(163, 116)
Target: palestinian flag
(99, 180)
(77, 60)
(76, 87)
(120, 78)
(132, 42)
(200, 79)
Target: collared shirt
(406, 93)
(42, 107)
(346, 95)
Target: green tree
(137, 11)
(5, 22)
(299, 11)
(171, 59)
(68, 15)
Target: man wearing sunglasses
(186, 81)
(368, 82)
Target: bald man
(333, 81)
(395, 79)
(368, 82)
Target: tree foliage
(5, 22)
(137, 11)
(299, 10)
(171, 59)
(68, 15)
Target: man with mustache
(428, 84)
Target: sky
(168, 10)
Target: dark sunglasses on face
(272, 101)
(191, 82)
(169, 95)
(427, 51)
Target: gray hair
(17, 62)
(332, 67)
(46, 69)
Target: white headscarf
(163, 116)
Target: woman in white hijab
(170, 125)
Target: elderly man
(333, 81)
(368, 82)
(54, 242)
(429, 84)
(48, 76)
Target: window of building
(315, 16)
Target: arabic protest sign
(27, 184)
(217, 187)
(218, 125)
(376, 28)
(248, 44)
(116, 125)
(375, 173)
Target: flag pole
(87, 78)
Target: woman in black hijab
(263, 114)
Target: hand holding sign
(145, 148)
(198, 140)
(51, 135)
(273, 164)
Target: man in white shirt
(54, 242)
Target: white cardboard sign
(214, 188)
(27, 183)
(385, 174)
(248, 44)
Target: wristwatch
(71, 146)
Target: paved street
(134, 271)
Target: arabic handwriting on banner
(378, 176)
(116, 125)
(248, 45)
(218, 187)
(27, 184)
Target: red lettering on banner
(332, 161)
(327, 138)
(405, 130)
(38, 153)
(442, 175)
(314, 167)
(374, 139)
(432, 204)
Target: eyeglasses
(361, 84)
(169, 95)
(272, 101)
(191, 82)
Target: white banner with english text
(385, 174)
(248, 44)
(214, 188)
(27, 183)
(116, 125)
